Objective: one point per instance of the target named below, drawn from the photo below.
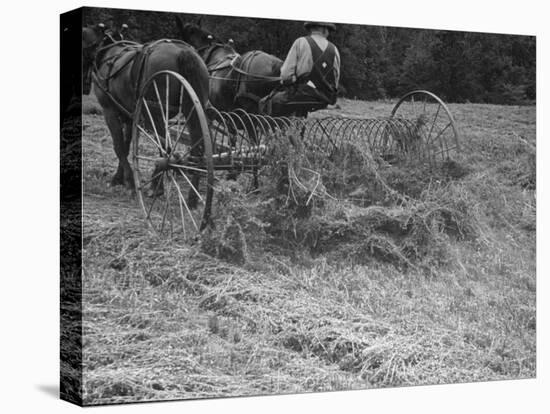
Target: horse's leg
(128, 173)
(115, 128)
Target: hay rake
(168, 164)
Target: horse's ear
(122, 31)
(199, 21)
(100, 28)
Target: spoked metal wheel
(431, 131)
(172, 157)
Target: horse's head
(195, 35)
(113, 35)
(93, 39)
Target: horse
(118, 70)
(236, 81)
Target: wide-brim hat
(330, 26)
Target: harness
(237, 64)
(131, 53)
(225, 62)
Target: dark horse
(236, 81)
(120, 68)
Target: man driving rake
(309, 75)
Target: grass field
(165, 321)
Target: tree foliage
(377, 62)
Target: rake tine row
(241, 140)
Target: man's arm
(337, 66)
(288, 70)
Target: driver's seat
(301, 109)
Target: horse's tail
(193, 69)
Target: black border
(71, 206)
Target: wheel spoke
(167, 112)
(189, 150)
(180, 100)
(188, 167)
(149, 136)
(192, 186)
(433, 123)
(436, 112)
(150, 180)
(441, 132)
(179, 128)
(143, 157)
(153, 123)
(185, 203)
(166, 206)
(173, 130)
(159, 100)
(182, 216)
(180, 134)
(154, 198)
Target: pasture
(246, 312)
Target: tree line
(377, 62)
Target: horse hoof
(192, 203)
(116, 181)
(130, 185)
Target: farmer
(309, 75)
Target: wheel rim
(173, 172)
(431, 131)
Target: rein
(259, 78)
(231, 63)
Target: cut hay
(415, 279)
(342, 205)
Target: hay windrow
(347, 205)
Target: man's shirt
(299, 60)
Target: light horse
(236, 81)
(119, 68)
